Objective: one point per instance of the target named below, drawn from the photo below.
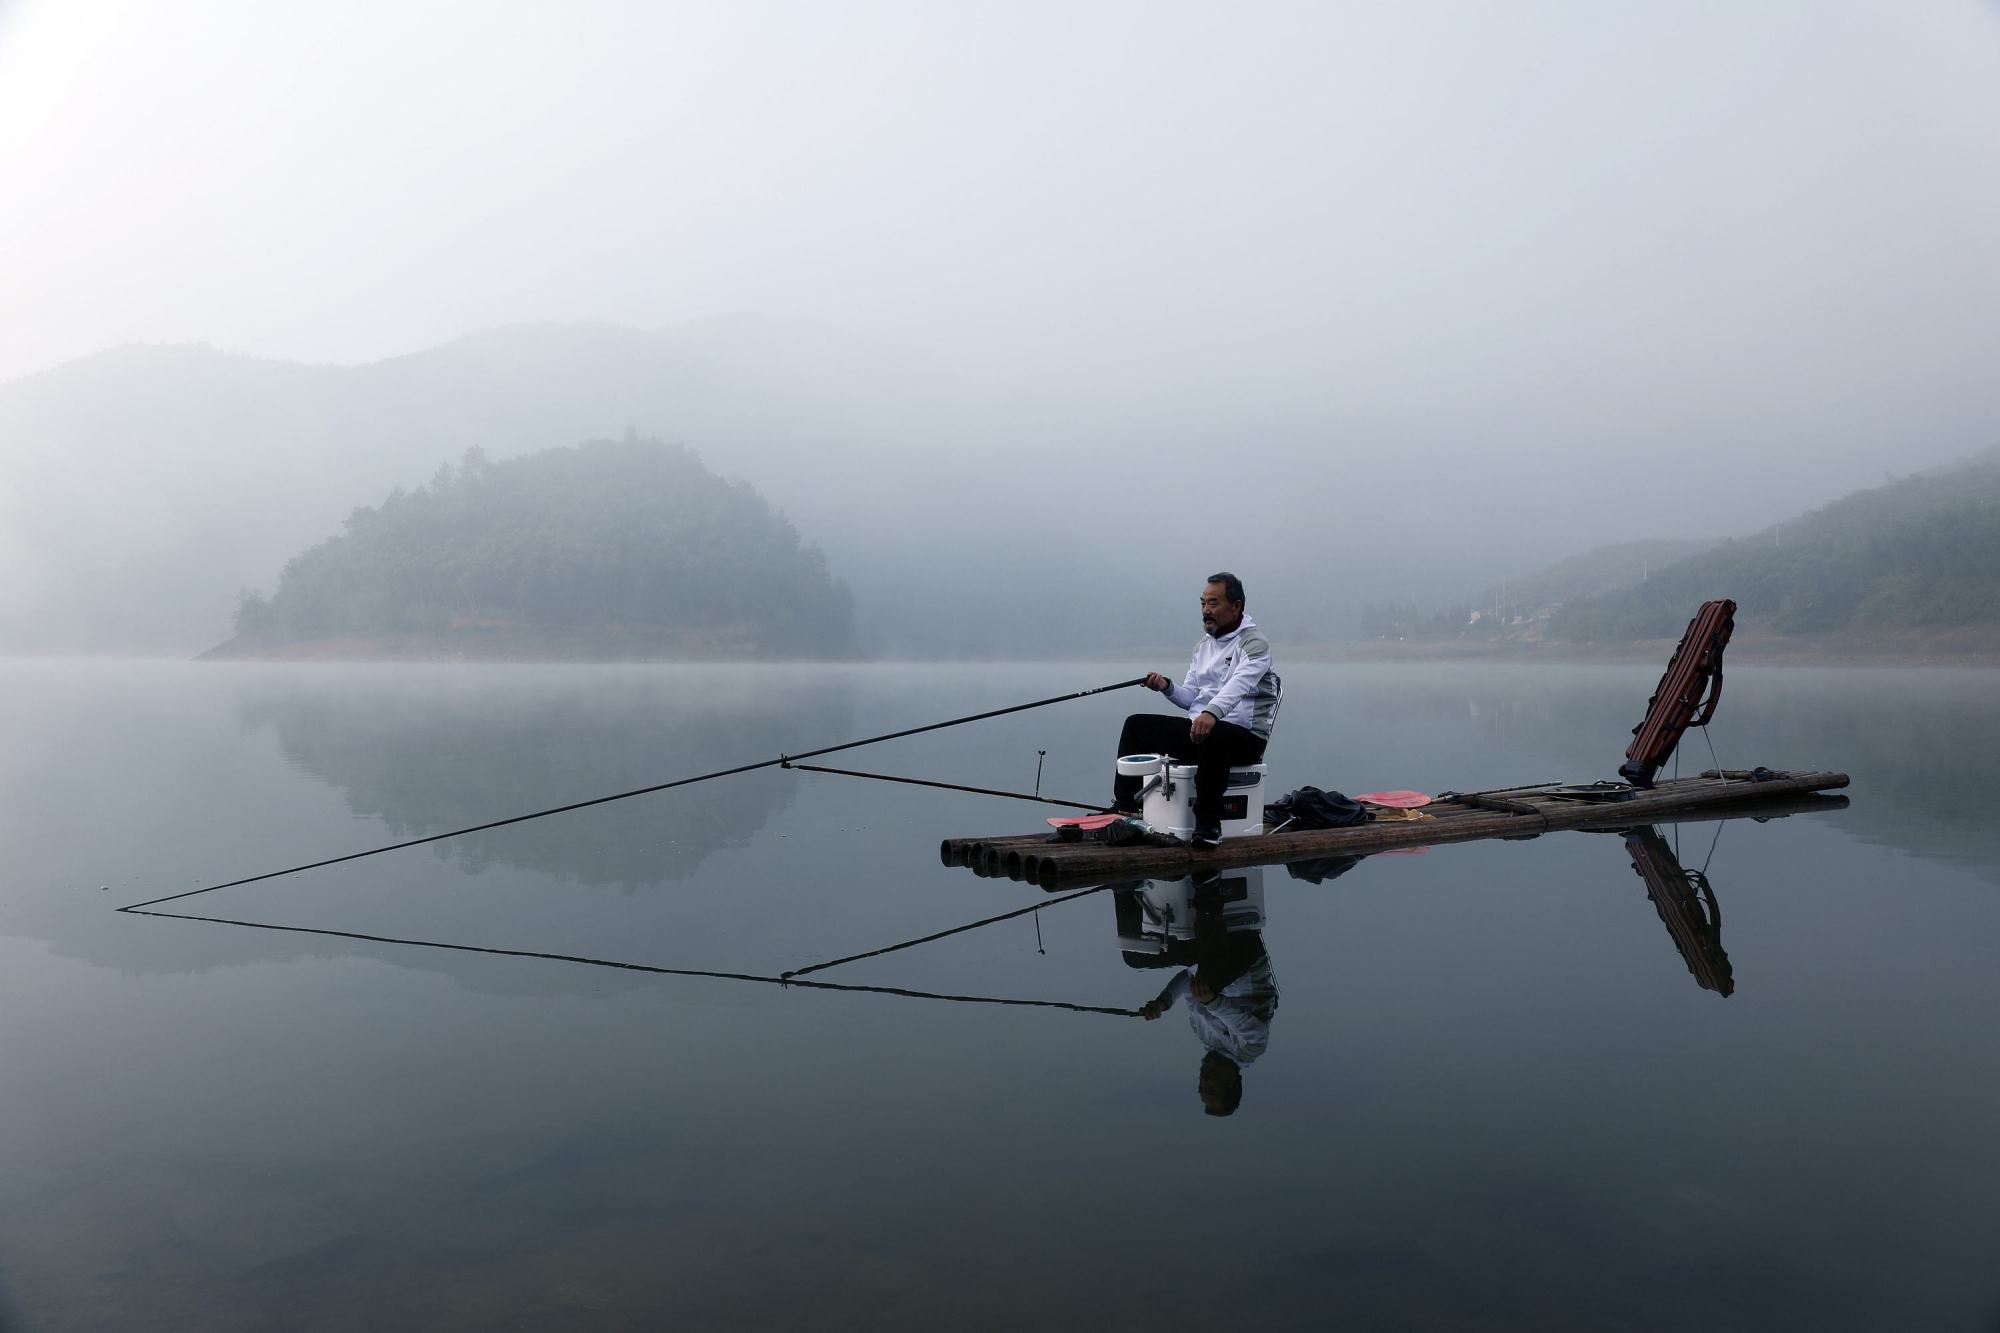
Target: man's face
(1219, 615)
(1220, 1085)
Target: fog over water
(1425, 294)
(1506, 1085)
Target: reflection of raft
(1522, 812)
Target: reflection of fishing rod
(785, 982)
(781, 761)
(955, 930)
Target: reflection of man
(1231, 996)
(1230, 694)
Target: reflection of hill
(1914, 740)
(1916, 743)
(426, 752)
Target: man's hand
(1156, 681)
(1152, 1009)
(1203, 992)
(1204, 722)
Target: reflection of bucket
(1170, 806)
(1160, 917)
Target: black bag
(1120, 833)
(1322, 868)
(1309, 807)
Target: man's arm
(1182, 696)
(1164, 1001)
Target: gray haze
(1057, 307)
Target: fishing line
(1711, 748)
(947, 786)
(639, 967)
(781, 761)
(1711, 848)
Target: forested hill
(1918, 556)
(610, 549)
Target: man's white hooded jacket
(1231, 677)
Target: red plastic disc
(1083, 821)
(1396, 800)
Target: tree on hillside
(1922, 552)
(634, 535)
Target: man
(1230, 694)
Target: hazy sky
(1775, 218)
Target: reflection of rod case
(1692, 684)
(1687, 905)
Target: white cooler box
(1167, 795)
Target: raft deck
(1510, 812)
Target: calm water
(1493, 1094)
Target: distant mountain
(1521, 606)
(1599, 570)
(972, 514)
(611, 549)
(142, 487)
(1912, 567)
(1918, 556)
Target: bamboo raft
(1510, 812)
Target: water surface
(1493, 1094)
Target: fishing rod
(782, 760)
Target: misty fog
(474, 476)
(1029, 315)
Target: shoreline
(503, 647)
(1983, 653)
(1653, 653)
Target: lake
(1491, 1091)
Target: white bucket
(1169, 807)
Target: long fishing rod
(780, 761)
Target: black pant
(1228, 746)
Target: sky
(1264, 195)
(1567, 248)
